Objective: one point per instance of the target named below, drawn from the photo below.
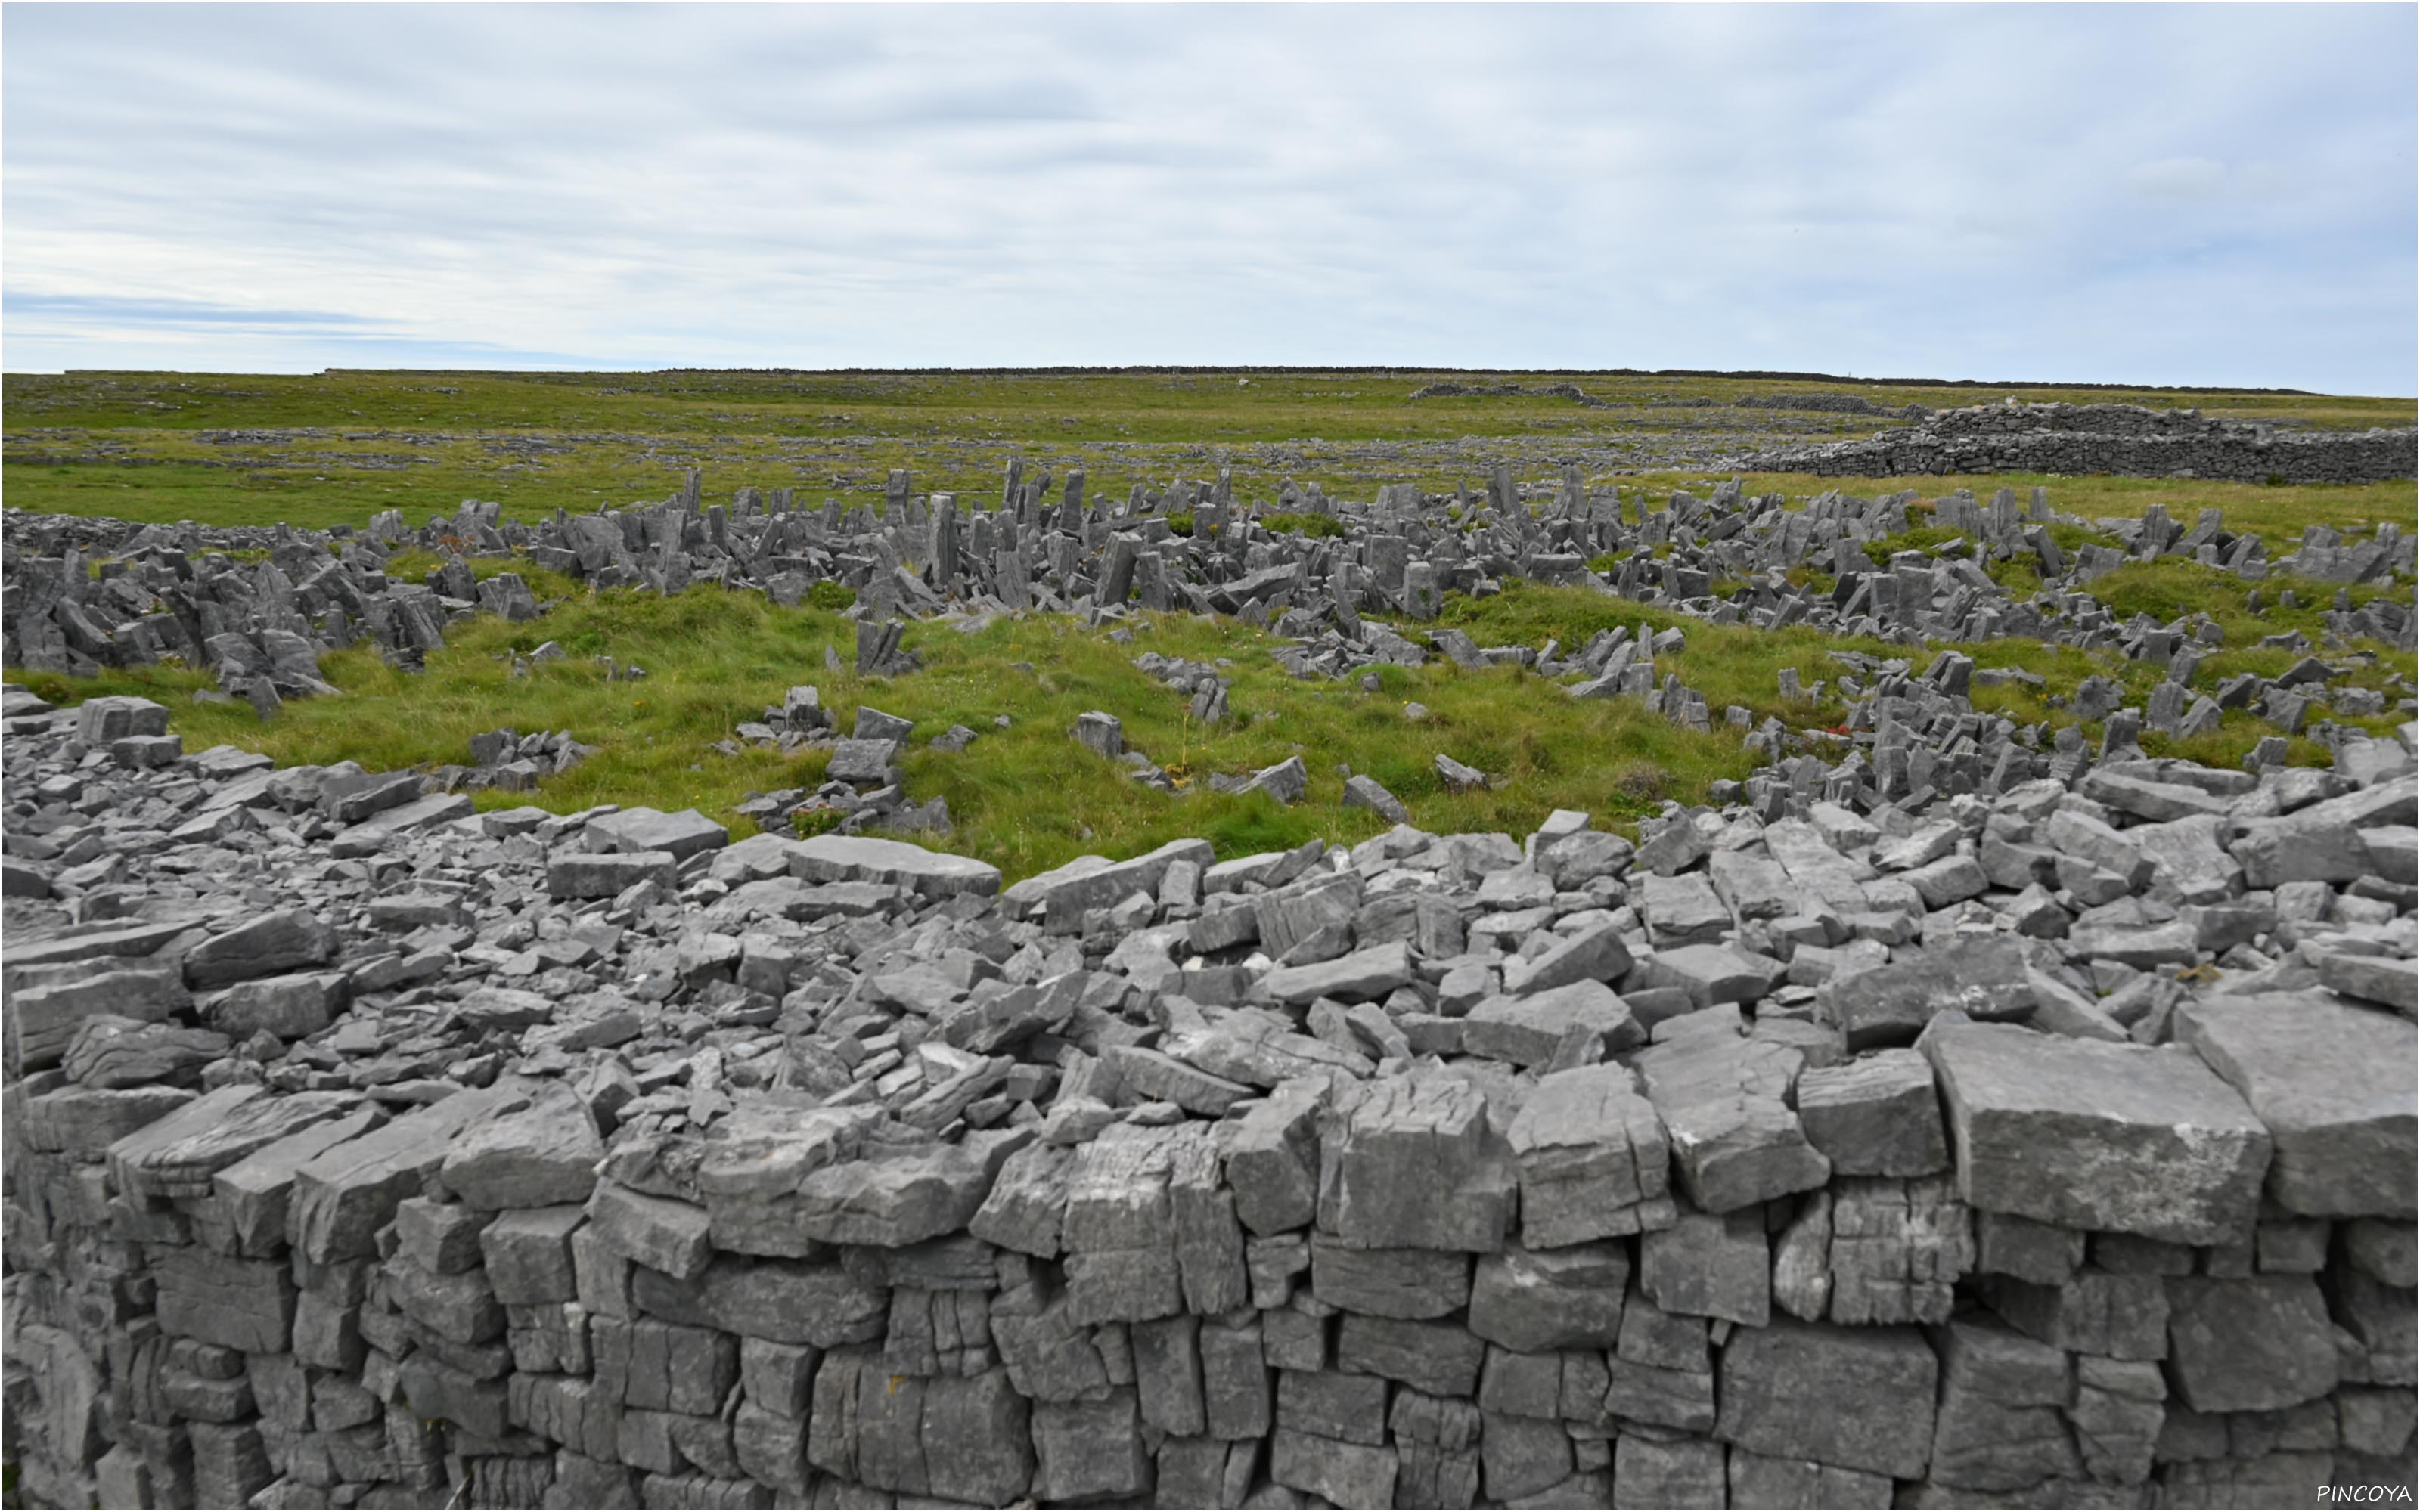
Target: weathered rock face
(2135, 1139)
(2328, 1082)
(1958, 1123)
(1417, 1164)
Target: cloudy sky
(2174, 194)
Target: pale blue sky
(2219, 194)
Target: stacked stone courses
(1952, 1113)
(488, 1160)
(2127, 439)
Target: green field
(337, 448)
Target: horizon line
(996, 370)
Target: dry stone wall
(2127, 440)
(2054, 1147)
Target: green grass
(1027, 797)
(2172, 587)
(2276, 514)
(225, 449)
(1149, 405)
(418, 566)
(1314, 526)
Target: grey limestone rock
(1364, 792)
(1028, 1201)
(282, 940)
(2386, 982)
(1287, 781)
(1734, 1139)
(830, 858)
(237, 1304)
(2005, 1244)
(2091, 1312)
(1712, 975)
(1876, 1384)
(1442, 1359)
(1064, 894)
(1710, 1265)
(2000, 1426)
(662, 1233)
(1414, 1164)
(1983, 978)
(1342, 1474)
(1593, 1159)
(1389, 1283)
(792, 1302)
(181, 1154)
(291, 1006)
(571, 877)
(115, 1054)
(51, 1002)
(1101, 733)
(540, 1156)
(1273, 1159)
(1526, 1030)
(1529, 1301)
(1875, 1115)
(1331, 1404)
(678, 835)
(1090, 1450)
(528, 1255)
(1682, 910)
(343, 1194)
(902, 1199)
(1367, 975)
(1595, 954)
(864, 764)
(2089, 1135)
(2332, 1086)
(2257, 1343)
(1872, 1250)
(1669, 1471)
(1771, 1481)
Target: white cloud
(2180, 178)
(1825, 188)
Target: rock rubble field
(1953, 1113)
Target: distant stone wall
(1505, 391)
(1840, 403)
(1846, 404)
(2124, 439)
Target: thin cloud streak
(2178, 194)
